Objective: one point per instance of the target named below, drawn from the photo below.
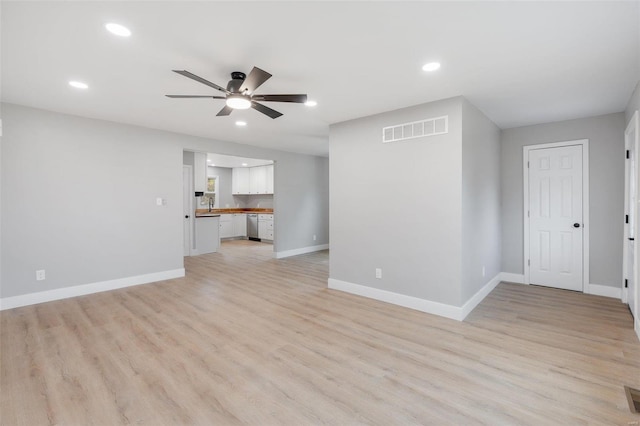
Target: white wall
(481, 227)
(397, 206)
(254, 201)
(78, 199)
(634, 103)
(606, 178)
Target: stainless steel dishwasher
(252, 227)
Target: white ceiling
(519, 62)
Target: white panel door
(555, 217)
(631, 205)
(187, 195)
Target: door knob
(186, 217)
(576, 225)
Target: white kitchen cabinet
(252, 180)
(240, 180)
(258, 180)
(265, 227)
(207, 234)
(226, 226)
(199, 172)
(269, 178)
(239, 225)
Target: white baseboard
(595, 289)
(303, 250)
(636, 327)
(423, 305)
(604, 290)
(81, 290)
(511, 278)
(475, 300)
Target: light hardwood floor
(247, 339)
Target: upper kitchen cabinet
(258, 180)
(199, 172)
(240, 181)
(252, 180)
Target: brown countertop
(229, 211)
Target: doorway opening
(238, 191)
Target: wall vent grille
(416, 129)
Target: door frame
(585, 205)
(633, 123)
(191, 209)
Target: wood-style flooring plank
(248, 339)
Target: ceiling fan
(239, 92)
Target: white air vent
(416, 129)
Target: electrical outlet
(378, 273)
(483, 271)
(40, 275)
(314, 237)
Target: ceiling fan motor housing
(237, 78)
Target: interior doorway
(556, 215)
(235, 189)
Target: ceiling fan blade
(225, 111)
(195, 96)
(254, 80)
(201, 80)
(299, 99)
(265, 110)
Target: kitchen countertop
(218, 212)
(200, 212)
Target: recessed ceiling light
(431, 66)
(78, 84)
(241, 123)
(117, 29)
(209, 160)
(244, 164)
(311, 103)
(213, 165)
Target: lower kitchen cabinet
(233, 225)
(265, 227)
(239, 225)
(207, 239)
(226, 226)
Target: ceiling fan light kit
(239, 93)
(239, 101)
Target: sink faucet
(210, 204)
